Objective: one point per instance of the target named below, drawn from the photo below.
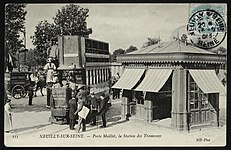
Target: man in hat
(73, 107)
(49, 67)
(93, 107)
(103, 108)
(8, 116)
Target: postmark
(206, 29)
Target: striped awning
(129, 79)
(207, 81)
(154, 80)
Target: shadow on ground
(35, 108)
(18, 130)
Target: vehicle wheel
(18, 91)
(23, 94)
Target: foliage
(115, 53)
(220, 50)
(131, 49)
(184, 38)
(14, 24)
(42, 39)
(119, 51)
(151, 41)
(71, 20)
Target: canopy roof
(174, 51)
(171, 47)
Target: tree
(115, 53)
(119, 51)
(220, 50)
(151, 41)
(131, 49)
(71, 20)
(45, 33)
(14, 24)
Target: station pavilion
(172, 80)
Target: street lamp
(24, 34)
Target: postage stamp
(206, 28)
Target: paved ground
(32, 128)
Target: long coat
(7, 117)
(103, 105)
(73, 107)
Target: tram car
(87, 62)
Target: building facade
(174, 81)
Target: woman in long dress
(7, 116)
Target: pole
(18, 63)
(24, 32)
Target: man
(31, 93)
(81, 102)
(73, 107)
(103, 108)
(50, 67)
(93, 107)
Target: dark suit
(73, 107)
(103, 109)
(30, 94)
(93, 108)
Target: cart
(19, 84)
(59, 105)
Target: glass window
(198, 99)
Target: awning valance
(129, 79)
(154, 80)
(207, 81)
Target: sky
(121, 25)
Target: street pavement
(31, 127)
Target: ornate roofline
(172, 57)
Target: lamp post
(24, 33)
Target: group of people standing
(96, 106)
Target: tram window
(89, 76)
(104, 75)
(92, 77)
(95, 76)
(98, 76)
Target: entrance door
(140, 110)
(162, 104)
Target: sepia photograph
(115, 75)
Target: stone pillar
(179, 100)
(125, 107)
(148, 109)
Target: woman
(7, 116)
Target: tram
(87, 62)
